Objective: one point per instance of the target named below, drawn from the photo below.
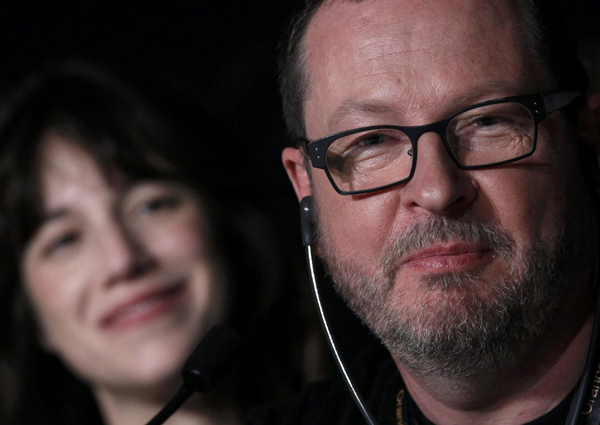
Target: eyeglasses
(487, 134)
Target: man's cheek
(521, 201)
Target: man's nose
(125, 256)
(438, 185)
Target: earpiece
(307, 220)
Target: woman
(115, 263)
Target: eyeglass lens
(481, 136)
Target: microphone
(214, 356)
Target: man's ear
(293, 161)
(589, 123)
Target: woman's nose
(438, 185)
(124, 254)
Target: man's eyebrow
(453, 103)
(352, 107)
(477, 94)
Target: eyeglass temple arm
(555, 101)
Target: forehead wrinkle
(414, 42)
(381, 44)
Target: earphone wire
(331, 341)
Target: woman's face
(120, 277)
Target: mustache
(442, 229)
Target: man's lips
(141, 308)
(447, 257)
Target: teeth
(137, 309)
(143, 306)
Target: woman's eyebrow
(54, 215)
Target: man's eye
(486, 121)
(372, 139)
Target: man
(467, 246)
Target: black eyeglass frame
(539, 105)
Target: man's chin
(444, 290)
(445, 307)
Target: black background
(222, 52)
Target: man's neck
(515, 395)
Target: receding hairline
(529, 33)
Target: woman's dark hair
(140, 137)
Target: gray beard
(462, 334)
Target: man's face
(432, 258)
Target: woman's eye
(62, 242)
(158, 204)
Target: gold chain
(399, 399)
